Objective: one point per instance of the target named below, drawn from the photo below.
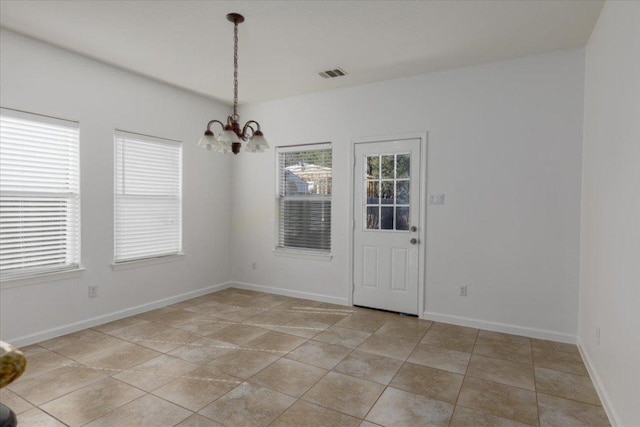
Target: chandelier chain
(235, 68)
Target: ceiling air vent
(329, 74)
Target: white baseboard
(290, 293)
(599, 386)
(110, 317)
(500, 327)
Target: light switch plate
(436, 198)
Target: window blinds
(39, 194)
(304, 197)
(148, 197)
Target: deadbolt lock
(414, 228)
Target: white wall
(610, 256)
(504, 146)
(40, 78)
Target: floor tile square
(555, 346)
(156, 372)
(56, 383)
(396, 348)
(450, 340)
(289, 377)
(508, 350)
(440, 358)
(342, 336)
(145, 411)
(156, 314)
(248, 405)
(196, 420)
(369, 366)
(270, 319)
(405, 328)
(363, 321)
(559, 412)
(307, 414)
(168, 339)
(499, 399)
(93, 401)
(562, 384)
(37, 418)
(138, 331)
(117, 324)
(203, 325)
(465, 417)
(349, 395)
(275, 341)
(197, 389)
(500, 336)
(242, 363)
(13, 401)
(121, 355)
(43, 362)
(502, 371)
(559, 360)
(203, 350)
(319, 354)
(400, 408)
(237, 334)
(429, 382)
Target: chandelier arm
(253, 121)
(212, 122)
(248, 126)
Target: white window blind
(148, 197)
(39, 194)
(304, 197)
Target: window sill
(291, 253)
(33, 279)
(124, 265)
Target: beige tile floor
(243, 358)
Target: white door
(386, 220)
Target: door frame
(422, 209)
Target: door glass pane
(402, 192)
(373, 219)
(373, 167)
(386, 218)
(403, 166)
(373, 189)
(388, 166)
(386, 196)
(402, 218)
(387, 186)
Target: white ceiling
(284, 44)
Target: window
(304, 197)
(148, 197)
(39, 194)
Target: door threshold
(387, 311)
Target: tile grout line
(466, 370)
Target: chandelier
(232, 133)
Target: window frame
(159, 257)
(73, 217)
(291, 251)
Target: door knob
(413, 241)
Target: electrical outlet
(93, 291)
(463, 291)
(597, 335)
(254, 266)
